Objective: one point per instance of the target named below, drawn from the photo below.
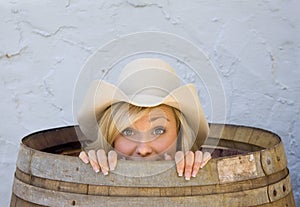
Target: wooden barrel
(48, 174)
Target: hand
(99, 160)
(190, 163)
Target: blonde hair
(118, 116)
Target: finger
(179, 159)
(112, 158)
(197, 162)
(206, 158)
(167, 156)
(93, 160)
(83, 156)
(189, 162)
(102, 159)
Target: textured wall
(255, 46)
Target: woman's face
(150, 137)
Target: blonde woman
(148, 115)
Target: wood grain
(256, 177)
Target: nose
(144, 149)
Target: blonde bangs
(117, 118)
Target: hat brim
(101, 95)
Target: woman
(148, 115)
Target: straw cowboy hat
(144, 82)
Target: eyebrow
(152, 119)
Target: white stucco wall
(255, 46)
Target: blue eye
(127, 132)
(159, 131)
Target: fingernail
(86, 161)
(167, 156)
(96, 170)
(105, 173)
(187, 176)
(193, 175)
(111, 168)
(180, 174)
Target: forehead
(161, 111)
(162, 115)
(128, 115)
(152, 114)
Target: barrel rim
(76, 127)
